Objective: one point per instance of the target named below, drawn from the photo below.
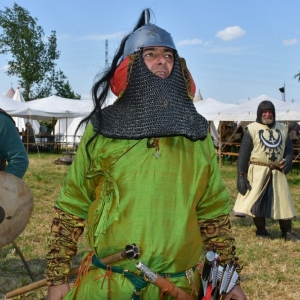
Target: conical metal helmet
(148, 35)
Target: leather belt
(138, 282)
(271, 168)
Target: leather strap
(138, 282)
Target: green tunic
(129, 196)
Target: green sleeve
(12, 148)
(215, 199)
(74, 197)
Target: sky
(234, 49)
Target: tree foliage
(297, 76)
(33, 55)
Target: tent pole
(53, 130)
(27, 139)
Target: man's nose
(161, 59)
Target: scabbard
(164, 284)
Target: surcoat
(268, 150)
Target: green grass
(271, 267)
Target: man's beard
(267, 121)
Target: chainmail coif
(266, 105)
(152, 107)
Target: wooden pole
(33, 286)
(23, 259)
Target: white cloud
(5, 68)
(101, 37)
(94, 37)
(230, 33)
(289, 42)
(190, 42)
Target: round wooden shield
(16, 205)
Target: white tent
(13, 108)
(55, 107)
(70, 132)
(246, 110)
(10, 93)
(198, 97)
(65, 128)
(62, 125)
(212, 109)
(20, 122)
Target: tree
(33, 55)
(63, 88)
(58, 82)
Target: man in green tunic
(144, 173)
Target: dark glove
(286, 165)
(243, 184)
(2, 164)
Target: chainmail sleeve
(65, 232)
(289, 149)
(288, 156)
(245, 152)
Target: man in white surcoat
(265, 157)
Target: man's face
(159, 60)
(267, 117)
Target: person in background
(227, 137)
(13, 156)
(121, 183)
(28, 137)
(46, 136)
(238, 132)
(44, 131)
(228, 133)
(294, 133)
(265, 157)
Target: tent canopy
(58, 108)
(55, 107)
(246, 110)
(12, 107)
